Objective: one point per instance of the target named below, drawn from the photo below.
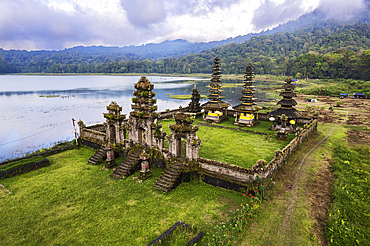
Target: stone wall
(97, 127)
(168, 114)
(244, 176)
(93, 136)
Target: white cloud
(342, 9)
(56, 24)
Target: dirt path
(299, 205)
(295, 187)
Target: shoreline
(193, 75)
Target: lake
(36, 111)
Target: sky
(59, 24)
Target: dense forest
(323, 50)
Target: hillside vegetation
(322, 50)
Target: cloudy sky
(59, 24)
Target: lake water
(29, 120)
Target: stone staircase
(128, 166)
(169, 178)
(99, 155)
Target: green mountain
(276, 51)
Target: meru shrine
(139, 138)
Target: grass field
(349, 216)
(71, 202)
(238, 148)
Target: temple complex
(194, 105)
(215, 109)
(140, 141)
(246, 112)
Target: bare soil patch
(320, 199)
(358, 110)
(358, 137)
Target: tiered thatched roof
(215, 99)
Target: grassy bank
(73, 203)
(349, 215)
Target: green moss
(49, 96)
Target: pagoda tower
(194, 105)
(215, 109)
(246, 112)
(287, 103)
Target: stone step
(164, 181)
(118, 173)
(123, 169)
(128, 163)
(163, 185)
(174, 171)
(126, 174)
(178, 163)
(98, 156)
(94, 158)
(171, 172)
(131, 158)
(168, 179)
(171, 176)
(159, 188)
(128, 166)
(175, 167)
(115, 176)
(92, 162)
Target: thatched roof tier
(288, 87)
(248, 105)
(288, 94)
(212, 97)
(215, 102)
(248, 93)
(243, 99)
(215, 105)
(287, 102)
(248, 108)
(291, 113)
(215, 90)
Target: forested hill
(78, 57)
(323, 50)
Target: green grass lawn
(71, 202)
(238, 148)
(349, 215)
